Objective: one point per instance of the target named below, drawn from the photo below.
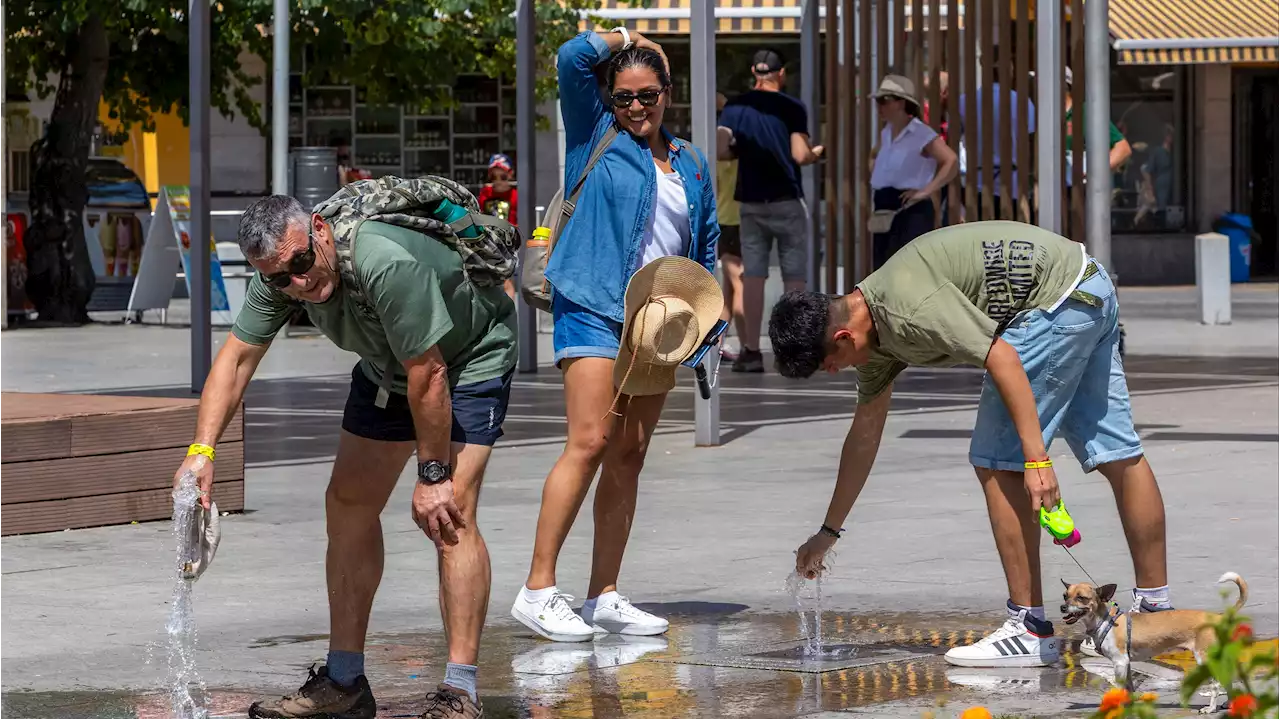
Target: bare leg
(364, 474)
(464, 567)
(1142, 515)
(733, 297)
(615, 505)
(1017, 536)
(752, 310)
(588, 392)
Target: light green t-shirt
(423, 300)
(941, 300)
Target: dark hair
(798, 332)
(638, 57)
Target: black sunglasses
(648, 98)
(299, 264)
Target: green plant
(1246, 671)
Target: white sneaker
(615, 614)
(551, 616)
(1012, 645)
(617, 651)
(1008, 680)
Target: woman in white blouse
(912, 162)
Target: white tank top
(667, 231)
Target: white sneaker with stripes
(1023, 641)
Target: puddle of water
(188, 695)
(807, 596)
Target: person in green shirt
(1120, 149)
(436, 357)
(1039, 314)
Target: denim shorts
(579, 332)
(1072, 357)
(479, 410)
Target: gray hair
(266, 221)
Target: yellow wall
(171, 164)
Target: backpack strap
(697, 160)
(571, 200)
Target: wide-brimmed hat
(671, 305)
(899, 87)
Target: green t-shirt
(1116, 135)
(941, 300)
(418, 289)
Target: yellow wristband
(1045, 464)
(204, 449)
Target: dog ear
(1106, 592)
(1064, 582)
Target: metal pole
(201, 330)
(280, 100)
(810, 91)
(4, 205)
(702, 66)
(526, 168)
(1049, 112)
(1097, 100)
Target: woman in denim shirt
(649, 196)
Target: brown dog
(1118, 636)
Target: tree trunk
(61, 278)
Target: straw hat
(671, 305)
(898, 86)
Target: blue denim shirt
(596, 252)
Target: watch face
(433, 472)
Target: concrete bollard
(1213, 278)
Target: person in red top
(498, 198)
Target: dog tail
(1240, 584)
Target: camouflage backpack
(488, 259)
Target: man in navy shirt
(767, 132)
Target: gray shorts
(787, 221)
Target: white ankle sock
(1156, 596)
(538, 595)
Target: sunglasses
(299, 264)
(648, 98)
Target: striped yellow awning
(1182, 32)
(671, 17)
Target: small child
(498, 198)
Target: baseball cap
(766, 61)
(500, 161)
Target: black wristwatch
(433, 471)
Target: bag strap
(596, 153)
(697, 161)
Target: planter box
(72, 461)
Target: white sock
(1034, 612)
(1156, 596)
(537, 595)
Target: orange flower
(1149, 697)
(1114, 699)
(1243, 632)
(1114, 713)
(1243, 706)
(976, 713)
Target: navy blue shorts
(479, 410)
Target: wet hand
(202, 467)
(810, 555)
(436, 514)
(1042, 486)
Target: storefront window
(1150, 190)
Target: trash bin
(1239, 231)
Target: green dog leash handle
(1059, 524)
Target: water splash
(188, 695)
(807, 597)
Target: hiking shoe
(615, 614)
(749, 361)
(1023, 641)
(449, 703)
(320, 698)
(1086, 645)
(551, 617)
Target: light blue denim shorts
(579, 332)
(1072, 357)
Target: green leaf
(1192, 682)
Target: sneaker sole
(997, 662)
(533, 624)
(253, 714)
(630, 630)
